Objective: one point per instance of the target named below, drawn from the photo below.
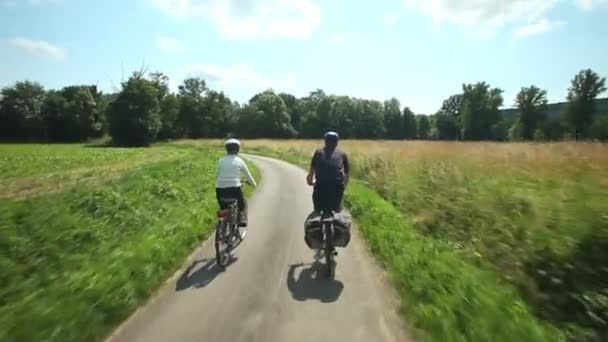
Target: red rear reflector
(222, 213)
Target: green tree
(409, 124)
(424, 126)
(452, 106)
(393, 119)
(448, 120)
(447, 127)
(515, 131)
(532, 105)
(554, 128)
(293, 109)
(59, 125)
(599, 128)
(266, 116)
(21, 115)
(134, 116)
(219, 114)
(169, 117)
(341, 114)
(192, 122)
(480, 114)
(368, 119)
(580, 110)
(311, 123)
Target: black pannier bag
(313, 230)
(342, 229)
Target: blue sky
(417, 51)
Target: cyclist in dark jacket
(329, 172)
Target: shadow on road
(197, 276)
(312, 283)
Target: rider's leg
(338, 198)
(317, 198)
(242, 203)
(219, 194)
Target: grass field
(483, 241)
(102, 230)
(535, 215)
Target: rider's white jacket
(230, 169)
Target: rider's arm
(346, 169)
(248, 174)
(311, 171)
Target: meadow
(88, 233)
(484, 241)
(532, 217)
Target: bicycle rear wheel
(329, 251)
(222, 245)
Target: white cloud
(240, 75)
(487, 16)
(169, 44)
(250, 19)
(391, 18)
(539, 26)
(38, 48)
(589, 4)
(339, 38)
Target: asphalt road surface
(275, 289)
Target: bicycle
(227, 233)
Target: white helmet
(232, 141)
(232, 146)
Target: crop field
(86, 234)
(535, 215)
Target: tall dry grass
(536, 214)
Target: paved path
(274, 291)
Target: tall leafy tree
(21, 116)
(424, 126)
(293, 109)
(532, 105)
(266, 116)
(219, 114)
(169, 117)
(580, 111)
(448, 120)
(312, 124)
(452, 106)
(369, 119)
(192, 115)
(393, 119)
(135, 114)
(447, 128)
(341, 114)
(480, 111)
(409, 124)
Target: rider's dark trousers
(328, 197)
(236, 193)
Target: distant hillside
(554, 109)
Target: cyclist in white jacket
(228, 185)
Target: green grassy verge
(445, 296)
(76, 263)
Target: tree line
(146, 110)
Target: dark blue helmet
(332, 136)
